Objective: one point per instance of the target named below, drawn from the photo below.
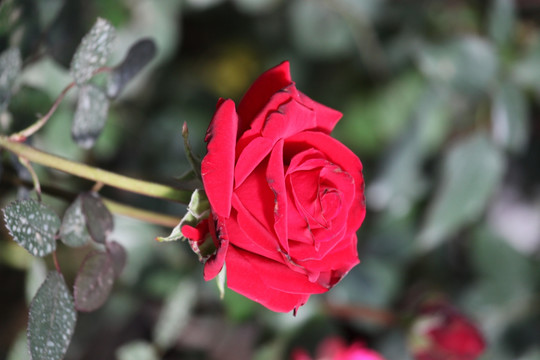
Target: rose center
(315, 195)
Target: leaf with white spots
(98, 218)
(118, 256)
(90, 116)
(93, 51)
(51, 320)
(32, 225)
(94, 281)
(73, 231)
(138, 56)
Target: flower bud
(441, 332)
(334, 348)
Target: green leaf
(256, 6)
(238, 307)
(502, 18)
(318, 31)
(98, 218)
(92, 52)
(472, 170)
(517, 269)
(510, 117)
(374, 283)
(10, 67)
(94, 281)
(468, 64)
(51, 320)
(32, 225)
(137, 350)
(532, 354)
(525, 71)
(138, 56)
(73, 231)
(174, 314)
(401, 182)
(118, 256)
(48, 10)
(191, 158)
(221, 281)
(90, 116)
(370, 123)
(7, 20)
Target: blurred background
(440, 101)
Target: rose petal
(252, 156)
(217, 167)
(340, 155)
(301, 252)
(260, 92)
(251, 236)
(327, 118)
(257, 198)
(332, 149)
(291, 118)
(248, 274)
(304, 187)
(331, 204)
(275, 175)
(276, 101)
(343, 257)
(276, 275)
(195, 233)
(213, 266)
(307, 160)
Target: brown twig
(357, 311)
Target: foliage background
(440, 102)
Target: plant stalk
(140, 214)
(95, 174)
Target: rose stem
(95, 174)
(113, 206)
(378, 316)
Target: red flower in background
(286, 198)
(442, 333)
(335, 348)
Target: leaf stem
(113, 206)
(35, 179)
(358, 311)
(140, 214)
(95, 174)
(56, 264)
(32, 129)
(193, 161)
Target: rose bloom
(335, 349)
(286, 198)
(443, 333)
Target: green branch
(95, 174)
(140, 214)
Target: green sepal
(198, 209)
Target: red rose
(335, 348)
(442, 333)
(286, 198)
